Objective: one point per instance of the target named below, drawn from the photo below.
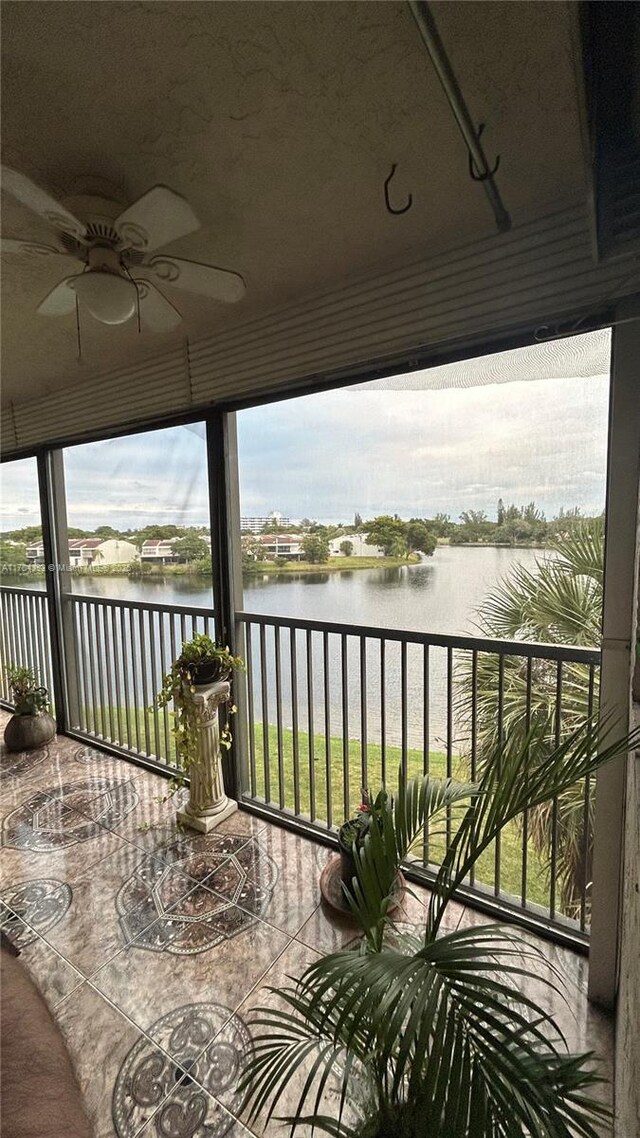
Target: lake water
(440, 595)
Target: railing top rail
(23, 591)
(565, 652)
(141, 606)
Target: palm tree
(558, 602)
(428, 1036)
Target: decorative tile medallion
(14, 763)
(196, 892)
(87, 755)
(205, 1044)
(65, 815)
(32, 907)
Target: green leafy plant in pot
(30, 725)
(435, 1033)
(353, 832)
(201, 662)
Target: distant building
(268, 546)
(361, 547)
(85, 551)
(161, 551)
(256, 525)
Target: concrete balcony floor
(151, 943)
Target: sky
(521, 425)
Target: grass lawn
(295, 766)
(303, 768)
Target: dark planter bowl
(209, 672)
(347, 860)
(26, 732)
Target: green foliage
(178, 684)
(315, 547)
(190, 548)
(420, 537)
(28, 696)
(557, 602)
(433, 1036)
(390, 533)
(369, 813)
(474, 527)
(346, 547)
(11, 555)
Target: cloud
(371, 448)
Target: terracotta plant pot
(26, 732)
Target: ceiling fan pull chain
(78, 330)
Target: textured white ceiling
(279, 123)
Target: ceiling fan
(118, 276)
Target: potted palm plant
(432, 1036)
(30, 725)
(353, 832)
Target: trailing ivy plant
(180, 682)
(434, 1036)
(29, 698)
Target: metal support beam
(227, 575)
(428, 29)
(623, 485)
(55, 539)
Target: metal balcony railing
(326, 709)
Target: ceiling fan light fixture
(108, 296)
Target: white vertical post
(623, 484)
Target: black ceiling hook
(477, 175)
(390, 208)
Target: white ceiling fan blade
(207, 280)
(40, 202)
(31, 248)
(61, 300)
(155, 310)
(158, 217)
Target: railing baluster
(364, 771)
(426, 751)
(449, 736)
(107, 665)
(403, 707)
(293, 659)
(265, 715)
(498, 848)
(281, 796)
(252, 728)
(525, 816)
(164, 668)
(586, 815)
(116, 673)
(345, 725)
(327, 727)
(383, 711)
(134, 680)
(474, 734)
(125, 678)
(553, 860)
(93, 658)
(157, 749)
(142, 660)
(310, 727)
(98, 656)
(80, 661)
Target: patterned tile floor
(151, 943)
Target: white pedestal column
(208, 804)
